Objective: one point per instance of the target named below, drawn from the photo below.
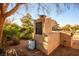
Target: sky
(70, 16)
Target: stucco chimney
(42, 18)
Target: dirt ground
(60, 51)
(65, 51)
(23, 51)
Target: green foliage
(11, 32)
(55, 26)
(26, 20)
(75, 27)
(67, 27)
(27, 27)
(70, 28)
(26, 33)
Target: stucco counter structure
(46, 39)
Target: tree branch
(6, 6)
(12, 11)
(2, 9)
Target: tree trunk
(4, 15)
(2, 20)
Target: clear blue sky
(70, 16)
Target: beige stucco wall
(54, 41)
(48, 44)
(48, 25)
(40, 43)
(75, 44)
(75, 40)
(65, 39)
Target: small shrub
(11, 34)
(26, 34)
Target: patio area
(22, 50)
